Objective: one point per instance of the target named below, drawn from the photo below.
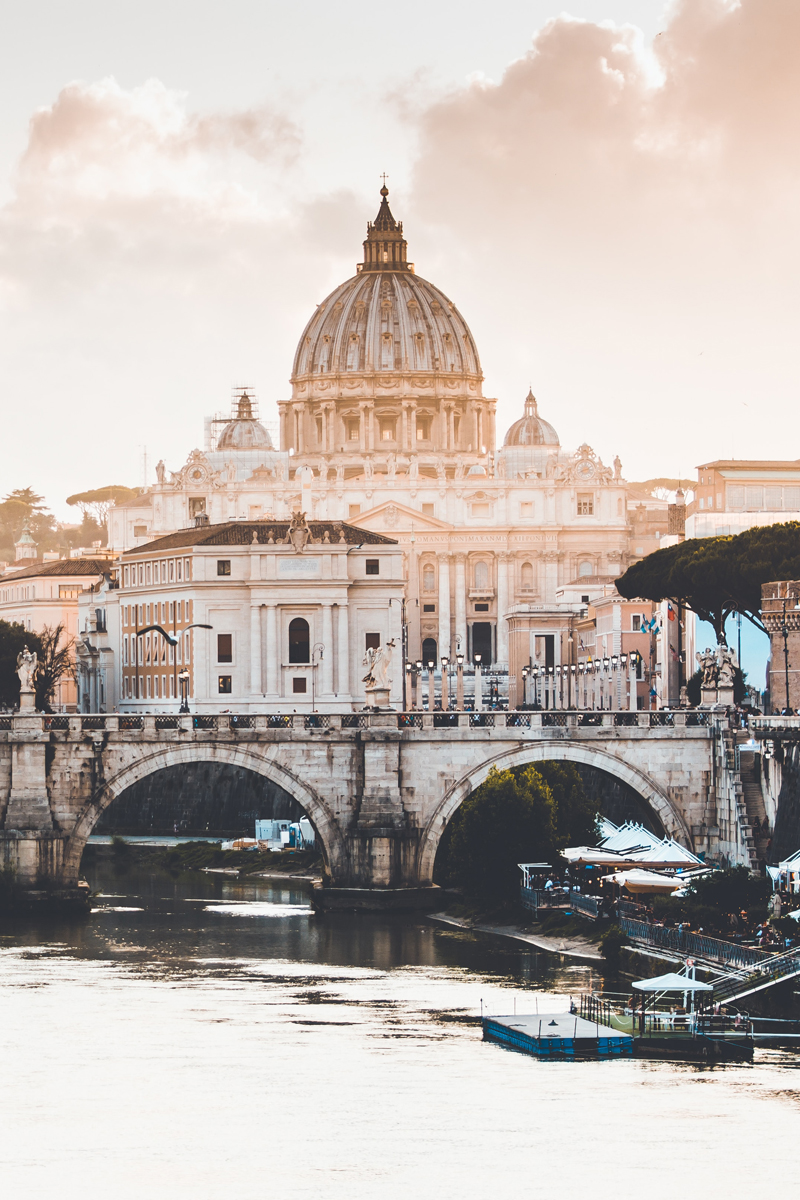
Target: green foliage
(611, 943)
(13, 637)
(522, 815)
(712, 899)
(95, 503)
(715, 577)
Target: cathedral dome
(531, 430)
(244, 432)
(383, 322)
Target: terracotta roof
(240, 533)
(61, 566)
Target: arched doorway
(299, 641)
(429, 652)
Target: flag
(670, 612)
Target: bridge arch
(318, 811)
(552, 751)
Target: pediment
(389, 514)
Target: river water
(198, 1036)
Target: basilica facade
(387, 429)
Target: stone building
(387, 428)
(262, 616)
(780, 612)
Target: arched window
(429, 653)
(428, 578)
(299, 641)
(481, 575)
(527, 576)
(585, 568)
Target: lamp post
(478, 683)
(418, 683)
(525, 687)
(445, 663)
(403, 640)
(408, 690)
(316, 658)
(431, 686)
(183, 680)
(460, 681)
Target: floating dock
(557, 1035)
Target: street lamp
(445, 663)
(478, 683)
(460, 681)
(319, 649)
(431, 686)
(418, 682)
(525, 687)
(183, 680)
(408, 680)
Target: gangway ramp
(738, 984)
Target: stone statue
(280, 470)
(617, 467)
(440, 471)
(368, 469)
(230, 469)
(298, 534)
(340, 473)
(413, 467)
(161, 471)
(378, 663)
(726, 667)
(27, 666)
(707, 662)
(391, 468)
(459, 467)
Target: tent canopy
(644, 881)
(671, 982)
(590, 856)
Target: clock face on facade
(585, 469)
(197, 474)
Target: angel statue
(27, 666)
(378, 662)
(707, 662)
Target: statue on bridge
(707, 662)
(378, 662)
(27, 667)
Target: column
(344, 651)
(273, 651)
(502, 606)
(448, 416)
(299, 412)
(284, 443)
(255, 649)
(412, 426)
(550, 558)
(362, 427)
(444, 604)
(326, 680)
(461, 603)
(370, 431)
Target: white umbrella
(644, 881)
(591, 856)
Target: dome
(244, 432)
(531, 430)
(385, 321)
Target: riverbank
(208, 857)
(570, 945)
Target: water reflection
(197, 1035)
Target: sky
(608, 193)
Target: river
(199, 1036)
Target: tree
(13, 637)
(576, 815)
(96, 503)
(56, 662)
(510, 818)
(716, 577)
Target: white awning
(671, 982)
(645, 881)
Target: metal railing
(481, 720)
(771, 969)
(316, 721)
(55, 722)
(168, 722)
(128, 723)
(518, 720)
(406, 720)
(695, 944)
(204, 721)
(361, 721)
(588, 905)
(242, 721)
(445, 720)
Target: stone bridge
(378, 787)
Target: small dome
(531, 430)
(244, 432)
(477, 470)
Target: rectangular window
(148, 685)
(156, 693)
(171, 617)
(178, 568)
(223, 566)
(423, 429)
(298, 685)
(773, 499)
(585, 504)
(225, 647)
(127, 576)
(481, 608)
(125, 650)
(149, 573)
(187, 657)
(373, 566)
(372, 641)
(636, 623)
(429, 608)
(140, 531)
(172, 687)
(754, 498)
(225, 685)
(163, 687)
(187, 569)
(354, 510)
(352, 431)
(481, 510)
(172, 570)
(429, 510)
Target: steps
(757, 828)
(738, 984)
